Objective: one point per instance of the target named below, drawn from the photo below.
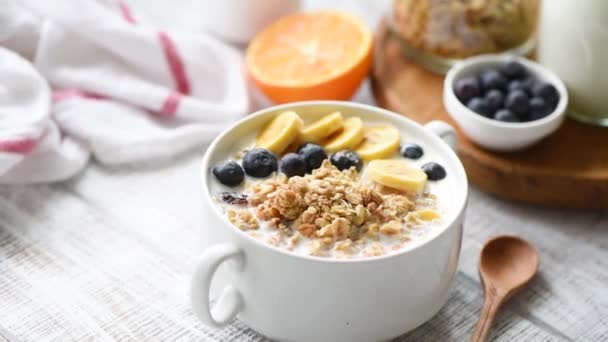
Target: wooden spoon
(506, 264)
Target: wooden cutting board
(567, 169)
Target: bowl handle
(446, 132)
(230, 302)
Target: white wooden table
(107, 256)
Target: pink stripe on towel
(174, 61)
(170, 104)
(19, 145)
(61, 95)
(176, 64)
(126, 12)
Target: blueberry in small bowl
(495, 99)
(504, 103)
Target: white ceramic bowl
(495, 135)
(291, 297)
(239, 21)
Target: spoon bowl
(506, 264)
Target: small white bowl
(496, 135)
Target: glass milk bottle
(573, 42)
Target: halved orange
(311, 56)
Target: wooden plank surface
(107, 256)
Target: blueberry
(546, 91)
(539, 108)
(304, 145)
(494, 99)
(513, 70)
(552, 105)
(293, 164)
(412, 151)
(260, 163)
(466, 89)
(313, 154)
(528, 84)
(229, 173)
(345, 159)
(492, 79)
(517, 85)
(505, 115)
(535, 116)
(479, 106)
(434, 171)
(518, 103)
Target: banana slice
(322, 128)
(349, 137)
(280, 132)
(379, 142)
(397, 174)
(424, 214)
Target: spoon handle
(491, 304)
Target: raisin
(234, 198)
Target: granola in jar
(437, 33)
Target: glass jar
(573, 42)
(438, 33)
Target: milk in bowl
(330, 184)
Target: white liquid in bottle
(573, 42)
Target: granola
(462, 28)
(243, 219)
(336, 211)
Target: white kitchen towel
(101, 82)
